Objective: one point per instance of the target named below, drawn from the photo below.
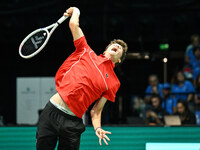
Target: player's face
(153, 81)
(180, 77)
(155, 102)
(195, 42)
(180, 108)
(114, 52)
(197, 53)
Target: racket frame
(53, 26)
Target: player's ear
(119, 60)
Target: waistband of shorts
(49, 104)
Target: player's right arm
(74, 22)
(96, 120)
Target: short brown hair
(124, 47)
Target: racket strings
(33, 43)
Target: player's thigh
(46, 136)
(46, 143)
(69, 143)
(70, 134)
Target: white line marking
(99, 71)
(74, 64)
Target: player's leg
(47, 130)
(48, 142)
(70, 133)
(69, 143)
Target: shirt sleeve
(110, 94)
(173, 89)
(188, 52)
(80, 44)
(163, 105)
(190, 87)
(148, 91)
(174, 102)
(196, 72)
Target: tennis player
(83, 78)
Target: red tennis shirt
(84, 77)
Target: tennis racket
(37, 40)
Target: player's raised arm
(96, 120)
(74, 22)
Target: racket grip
(63, 18)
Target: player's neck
(107, 55)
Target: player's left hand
(69, 11)
(101, 134)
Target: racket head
(34, 43)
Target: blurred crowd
(180, 97)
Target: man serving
(82, 79)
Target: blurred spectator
(187, 69)
(195, 63)
(169, 102)
(197, 94)
(155, 116)
(182, 89)
(153, 88)
(135, 105)
(186, 116)
(195, 42)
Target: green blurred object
(164, 46)
(122, 138)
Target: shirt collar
(112, 63)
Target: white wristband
(76, 10)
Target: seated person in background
(195, 42)
(195, 63)
(155, 116)
(186, 116)
(197, 94)
(182, 89)
(153, 88)
(169, 102)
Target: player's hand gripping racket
(37, 40)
